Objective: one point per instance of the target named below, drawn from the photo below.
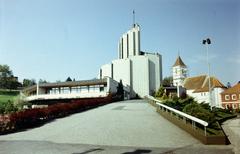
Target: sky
(53, 40)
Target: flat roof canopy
(67, 84)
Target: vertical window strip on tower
(138, 41)
(122, 48)
(127, 47)
(134, 47)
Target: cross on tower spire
(133, 18)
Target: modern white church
(140, 73)
(138, 70)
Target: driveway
(120, 127)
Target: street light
(207, 42)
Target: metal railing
(185, 116)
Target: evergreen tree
(120, 90)
(160, 92)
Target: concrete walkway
(232, 130)
(124, 126)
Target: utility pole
(207, 42)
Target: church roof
(179, 62)
(200, 83)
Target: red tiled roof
(233, 90)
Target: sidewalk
(232, 130)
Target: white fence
(179, 113)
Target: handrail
(202, 122)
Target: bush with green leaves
(198, 111)
(160, 92)
(7, 107)
(178, 103)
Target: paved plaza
(123, 127)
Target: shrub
(32, 117)
(198, 111)
(7, 107)
(160, 92)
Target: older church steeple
(179, 72)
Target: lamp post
(207, 42)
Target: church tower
(179, 72)
(129, 43)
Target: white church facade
(197, 87)
(140, 71)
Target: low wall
(195, 132)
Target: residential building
(197, 87)
(231, 97)
(73, 90)
(138, 70)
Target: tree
(28, 82)
(120, 90)
(167, 81)
(160, 92)
(5, 71)
(7, 80)
(42, 81)
(68, 79)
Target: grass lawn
(5, 98)
(8, 95)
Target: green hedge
(8, 92)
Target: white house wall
(204, 96)
(197, 96)
(217, 97)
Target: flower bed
(34, 117)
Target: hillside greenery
(8, 101)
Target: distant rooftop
(235, 89)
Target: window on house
(234, 97)
(75, 89)
(101, 87)
(84, 89)
(227, 97)
(65, 90)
